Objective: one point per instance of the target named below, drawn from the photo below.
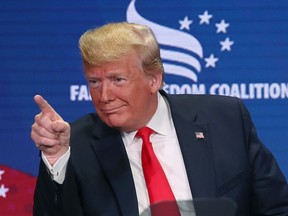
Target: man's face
(124, 97)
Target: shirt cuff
(58, 170)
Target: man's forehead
(123, 66)
(109, 71)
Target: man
(206, 145)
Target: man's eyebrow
(115, 73)
(91, 77)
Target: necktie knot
(144, 133)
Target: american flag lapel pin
(199, 135)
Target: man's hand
(50, 133)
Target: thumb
(60, 126)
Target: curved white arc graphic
(166, 36)
(180, 57)
(180, 71)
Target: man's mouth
(111, 110)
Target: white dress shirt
(166, 148)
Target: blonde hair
(114, 40)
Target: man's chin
(114, 123)
(120, 126)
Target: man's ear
(156, 82)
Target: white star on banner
(211, 61)
(205, 18)
(222, 26)
(1, 173)
(3, 191)
(185, 24)
(226, 45)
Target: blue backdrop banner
(237, 48)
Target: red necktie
(157, 184)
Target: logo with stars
(220, 27)
(181, 50)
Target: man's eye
(119, 80)
(94, 83)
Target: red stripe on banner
(16, 192)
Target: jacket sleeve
(269, 186)
(53, 199)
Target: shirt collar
(161, 122)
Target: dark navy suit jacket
(229, 162)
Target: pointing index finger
(44, 106)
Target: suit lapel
(197, 152)
(112, 155)
(197, 155)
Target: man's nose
(106, 93)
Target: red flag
(16, 192)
